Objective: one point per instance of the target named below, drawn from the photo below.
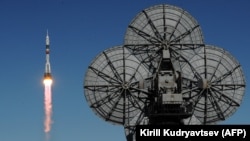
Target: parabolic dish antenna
(112, 85)
(159, 27)
(215, 82)
(164, 74)
(163, 24)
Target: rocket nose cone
(47, 38)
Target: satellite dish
(164, 74)
(112, 85)
(159, 27)
(163, 24)
(215, 82)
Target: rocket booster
(47, 73)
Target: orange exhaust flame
(47, 106)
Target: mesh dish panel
(163, 23)
(112, 85)
(215, 82)
(159, 27)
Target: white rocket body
(47, 73)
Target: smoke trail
(47, 106)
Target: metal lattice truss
(118, 80)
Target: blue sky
(79, 30)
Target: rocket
(47, 74)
